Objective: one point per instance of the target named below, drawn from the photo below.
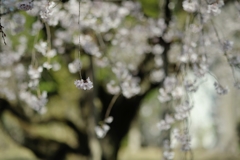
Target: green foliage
(150, 7)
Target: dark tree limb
(43, 147)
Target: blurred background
(127, 49)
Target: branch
(30, 140)
(5, 105)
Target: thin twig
(79, 46)
(1, 28)
(115, 97)
(48, 35)
(225, 53)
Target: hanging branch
(1, 29)
(3, 34)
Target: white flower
(34, 72)
(130, 87)
(168, 155)
(51, 53)
(75, 66)
(177, 93)
(102, 130)
(169, 119)
(227, 45)
(36, 103)
(33, 84)
(47, 12)
(56, 66)
(215, 8)
(113, 88)
(158, 61)
(189, 6)
(157, 75)
(182, 111)
(190, 85)
(163, 125)
(120, 71)
(157, 49)
(41, 47)
(181, 115)
(169, 84)
(84, 84)
(184, 139)
(220, 89)
(47, 65)
(163, 97)
(25, 5)
(89, 46)
(109, 119)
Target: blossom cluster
(220, 89)
(129, 85)
(47, 11)
(104, 23)
(166, 123)
(84, 84)
(184, 139)
(103, 127)
(38, 103)
(193, 65)
(25, 5)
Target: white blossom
(47, 11)
(235, 61)
(215, 8)
(184, 139)
(41, 47)
(104, 127)
(227, 45)
(163, 125)
(177, 93)
(101, 131)
(157, 75)
(164, 96)
(33, 84)
(113, 88)
(35, 72)
(56, 66)
(89, 45)
(182, 111)
(36, 103)
(190, 6)
(168, 155)
(84, 84)
(109, 119)
(75, 66)
(25, 5)
(47, 65)
(220, 89)
(169, 84)
(157, 49)
(130, 88)
(158, 61)
(169, 119)
(190, 86)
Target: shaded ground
(155, 154)
(10, 151)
